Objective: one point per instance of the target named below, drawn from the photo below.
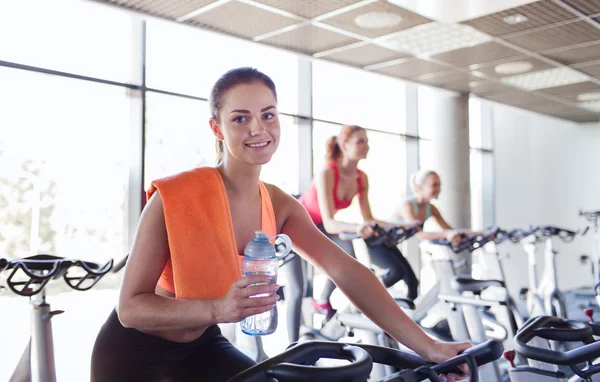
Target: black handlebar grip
(359, 368)
(307, 353)
(118, 266)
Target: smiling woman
(183, 275)
(259, 85)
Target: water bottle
(260, 258)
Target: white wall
(546, 170)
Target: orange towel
(204, 261)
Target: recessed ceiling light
(548, 78)
(515, 19)
(513, 67)
(433, 38)
(591, 105)
(593, 96)
(377, 20)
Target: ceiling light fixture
(591, 105)
(377, 20)
(517, 67)
(515, 19)
(434, 38)
(543, 79)
(593, 96)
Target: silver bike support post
(596, 228)
(453, 313)
(470, 309)
(550, 284)
(42, 346)
(533, 305)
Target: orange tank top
(203, 260)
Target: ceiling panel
(558, 36)
(592, 70)
(572, 88)
(161, 8)
(308, 8)
(515, 98)
(574, 97)
(576, 55)
(446, 77)
(483, 87)
(586, 7)
(309, 39)
(364, 55)
(411, 69)
(539, 14)
(489, 69)
(249, 22)
(489, 51)
(347, 22)
(559, 110)
(451, 80)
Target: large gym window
(188, 61)
(69, 36)
(178, 136)
(283, 168)
(64, 166)
(63, 191)
(353, 96)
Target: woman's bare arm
(324, 184)
(141, 308)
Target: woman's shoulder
(187, 174)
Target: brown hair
(230, 79)
(334, 151)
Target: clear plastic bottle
(260, 258)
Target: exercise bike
(296, 363)
(28, 277)
(543, 297)
(593, 217)
(533, 340)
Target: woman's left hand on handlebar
(366, 230)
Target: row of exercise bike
(458, 307)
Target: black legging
(397, 267)
(124, 354)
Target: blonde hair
(418, 178)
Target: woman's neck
(241, 179)
(348, 166)
(421, 201)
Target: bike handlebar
(40, 269)
(390, 238)
(541, 232)
(554, 328)
(469, 242)
(294, 364)
(590, 215)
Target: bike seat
(469, 284)
(405, 303)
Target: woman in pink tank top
(333, 189)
